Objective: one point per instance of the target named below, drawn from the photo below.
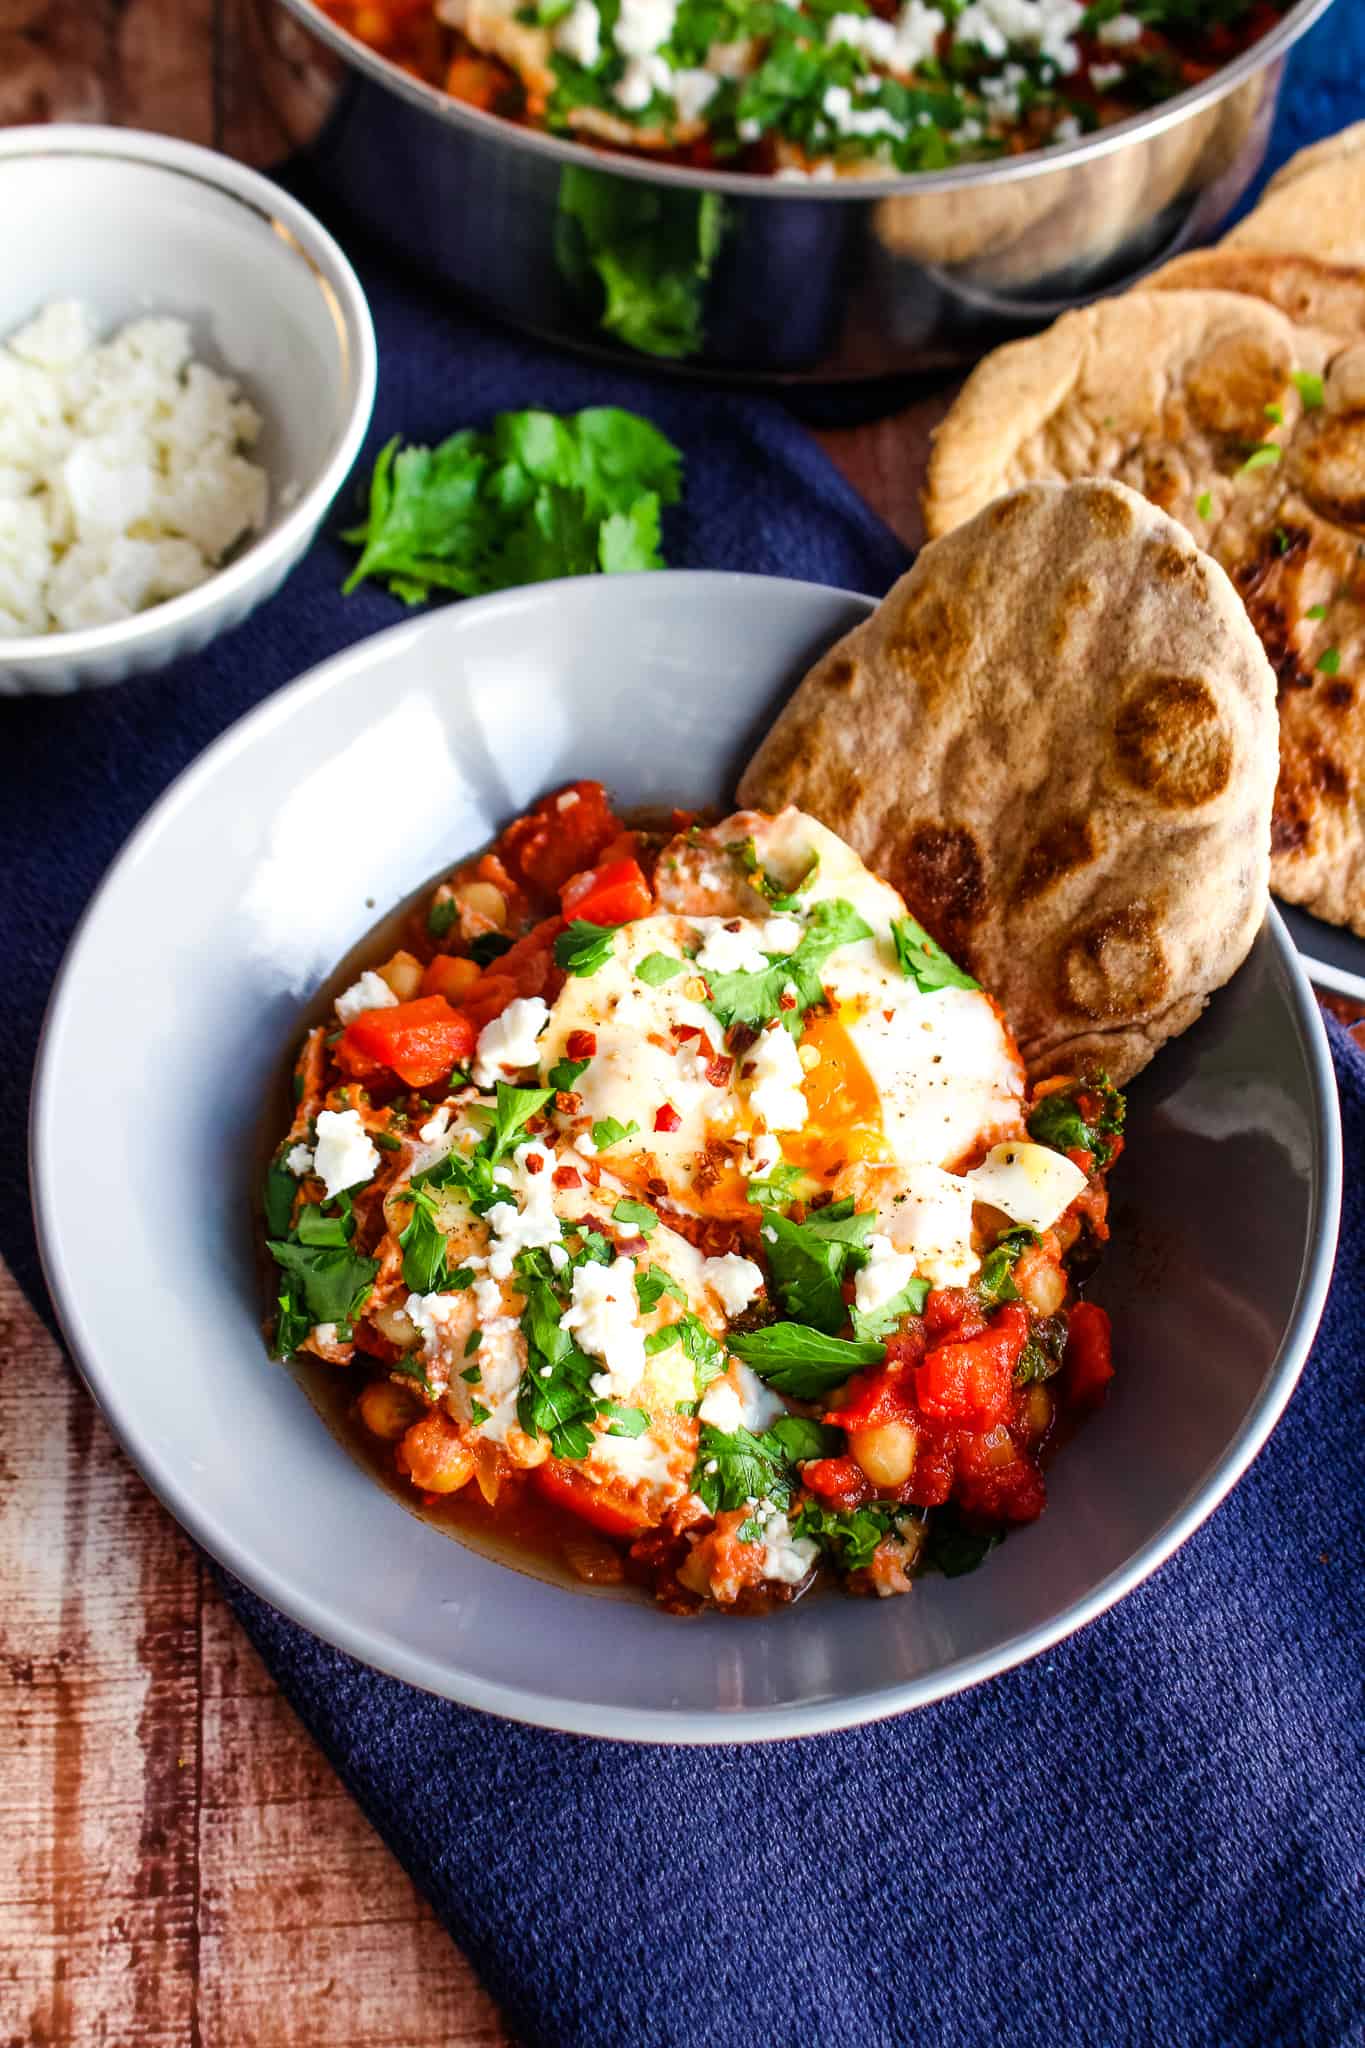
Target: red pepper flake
(535, 1162)
(687, 1031)
(568, 1177)
(719, 1071)
(787, 1000)
(568, 1102)
(666, 1118)
(581, 1045)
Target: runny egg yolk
(843, 1106)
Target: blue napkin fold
(1150, 1836)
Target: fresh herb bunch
(536, 496)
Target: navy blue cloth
(1151, 1836)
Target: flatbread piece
(1056, 737)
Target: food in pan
(828, 88)
(672, 1193)
(124, 474)
(677, 1184)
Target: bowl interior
(272, 857)
(130, 238)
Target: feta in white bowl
(187, 371)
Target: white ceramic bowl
(216, 926)
(134, 224)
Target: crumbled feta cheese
(586, 1145)
(579, 37)
(643, 26)
(735, 1280)
(324, 1333)
(603, 1318)
(729, 952)
(846, 119)
(1043, 25)
(533, 1224)
(428, 1313)
(1102, 76)
(1119, 31)
(640, 1460)
(884, 1276)
(776, 1074)
(720, 1407)
(344, 1156)
(435, 1127)
(781, 935)
(299, 1159)
(786, 1558)
(509, 1042)
(371, 992)
(693, 92)
(1068, 129)
(638, 83)
(569, 797)
(899, 45)
(124, 483)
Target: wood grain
(183, 1869)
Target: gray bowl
(216, 926)
(859, 277)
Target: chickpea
(459, 976)
(388, 1411)
(1038, 1411)
(482, 900)
(525, 1451)
(434, 1456)
(885, 1452)
(404, 975)
(1043, 1286)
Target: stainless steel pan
(780, 280)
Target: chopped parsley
(442, 915)
(1328, 662)
(754, 996)
(624, 1421)
(809, 1261)
(564, 1074)
(802, 1362)
(472, 1342)
(849, 1536)
(1316, 611)
(1264, 456)
(651, 1284)
(924, 960)
(1057, 1120)
(535, 496)
(638, 1214)
(1309, 386)
(657, 968)
(707, 1356)
(736, 1467)
(776, 894)
(1203, 504)
(775, 1189)
(278, 1197)
(325, 1284)
(995, 1282)
(880, 1322)
(554, 1396)
(514, 1110)
(584, 947)
(607, 1132)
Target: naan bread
(1168, 391)
(1056, 737)
(1328, 296)
(1346, 142)
(1318, 211)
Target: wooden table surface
(183, 1869)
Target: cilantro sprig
(924, 960)
(753, 996)
(536, 496)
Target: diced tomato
(1014, 1492)
(840, 1482)
(581, 1045)
(884, 1393)
(568, 1488)
(906, 1345)
(558, 838)
(931, 1481)
(419, 1041)
(666, 1118)
(612, 894)
(1089, 1363)
(971, 1382)
(526, 969)
(953, 1309)
(449, 977)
